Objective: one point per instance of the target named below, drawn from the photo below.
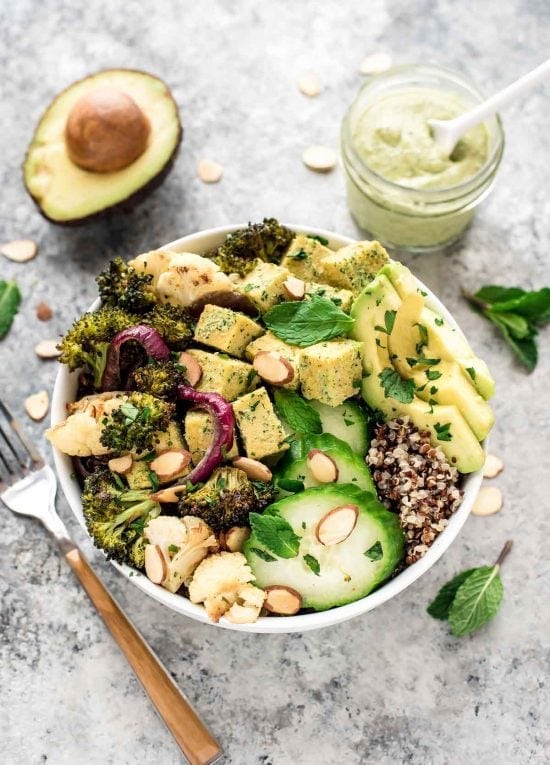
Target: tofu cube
(264, 285)
(304, 258)
(331, 371)
(226, 330)
(220, 374)
(354, 266)
(261, 431)
(342, 298)
(291, 353)
(199, 430)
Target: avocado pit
(106, 131)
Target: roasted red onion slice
(147, 337)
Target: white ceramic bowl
(65, 391)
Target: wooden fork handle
(192, 736)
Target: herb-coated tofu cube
(304, 258)
(226, 330)
(331, 371)
(264, 285)
(342, 298)
(199, 431)
(291, 353)
(354, 266)
(261, 431)
(220, 374)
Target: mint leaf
(289, 484)
(477, 600)
(439, 607)
(534, 306)
(492, 293)
(313, 564)
(389, 321)
(395, 387)
(262, 554)
(320, 239)
(517, 325)
(10, 299)
(443, 431)
(306, 322)
(525, 350)
(297, 412)
(276, 534)
(375, 552)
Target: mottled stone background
(393, 686)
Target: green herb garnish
(396, 387)
(375, 552)
(262, 554)
(304, 323)
(443, 431)
(10, 299)
(389, 321)
(276, 534)
(313, 564)
(295, 410)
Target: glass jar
(413, 219)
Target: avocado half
(116, 117)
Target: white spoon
(446, 133)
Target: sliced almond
(155, 564)
(171, 494)
(321, 159)
(121, 465)
(193, 370)
(170, 464)
(337, 525)
(210, 171)
(273, 368)
(47, 349)
(489, 501)
(309, 85)
(295, 288)
(36, 406)
(323, 468)
(376, 63)
(282, 600)
(234, 538)
(20, 250)
(254, 469)
(43, 312)
(493, 466)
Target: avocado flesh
(64, 192)
(446, 342)
(463, 450)
(451, 386)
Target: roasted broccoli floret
(121, 285)
(173, 324)
(226, 499)
(115, 517)
(161, 379)
(267, 241)
(133, 425)
(86, 343)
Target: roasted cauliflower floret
(153, 263)
(80, 434)
(189, 277)
(182, 543)
(222, 583)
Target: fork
(28, 487)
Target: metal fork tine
(20, 434)
(23, 463)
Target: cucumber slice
(348, 570)
(346, 421)
(352, 468)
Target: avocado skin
(127, 204)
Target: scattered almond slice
(155, 564)
(47, 349)
(210, 171)
(171, 494)
(323, 468)
(295, 288)
(309, 85)
(43, 312)
(170, 464)
(193, 372)
(254, 469)
(489, 501)
(234, 539)
(282, 600)
(493, 466)
(273, 367)
(121, 465)
(337, 525)
(20, 250)
(376, 63)
(36, 406)
(321, 159)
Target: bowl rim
(63, 393)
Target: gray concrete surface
(393, 686)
